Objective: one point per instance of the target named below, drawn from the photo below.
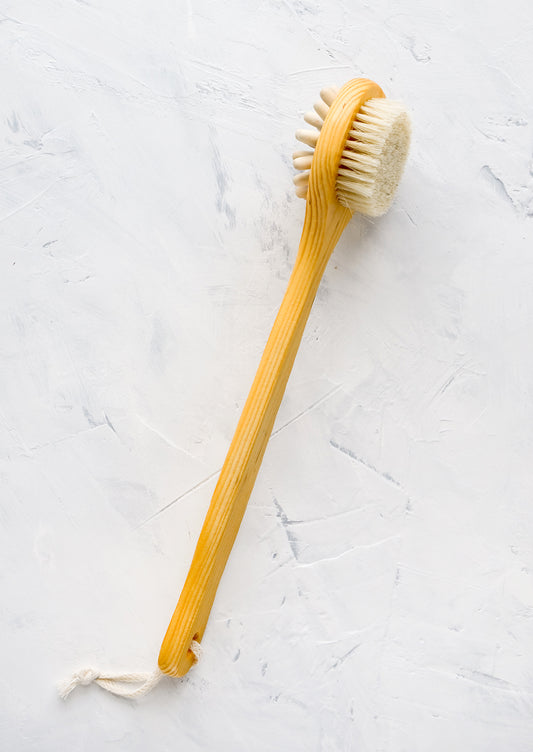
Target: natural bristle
(373, 158)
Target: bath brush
(356, 152)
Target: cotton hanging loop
(119, 684)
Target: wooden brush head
(366, 139)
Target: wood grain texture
(325, 220)
(379, 592)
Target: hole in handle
(195, 650)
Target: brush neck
(323, 226)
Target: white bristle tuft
(373, 158)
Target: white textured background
(380, 594)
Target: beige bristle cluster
(373, 158)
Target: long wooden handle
(247, 448)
